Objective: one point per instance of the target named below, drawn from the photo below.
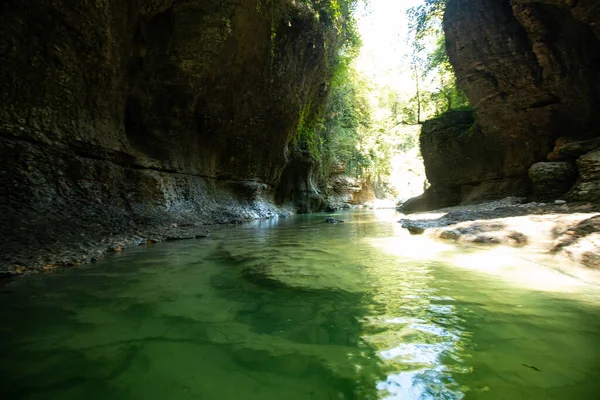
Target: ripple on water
(298, 310)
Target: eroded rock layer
(124, 114)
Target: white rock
(559, 202)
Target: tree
(426, 26)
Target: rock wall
(119, 115)
(531, 70)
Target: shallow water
(300, 309)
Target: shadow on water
(292, 310)
(320, 327)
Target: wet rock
(591, 259)
(117, 248)
(186, 235)
(413, 227)
(517, 238)
(486, 239)
(433, 198)
(330, 220)
(581, 242)
(450, 235)
(552, 178)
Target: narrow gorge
(299, 199)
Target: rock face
(118, 115)
(462, 163)
(299, 183)
(530, 70)
(341, 189)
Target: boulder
(413, 227)
(552, 179)
(587, 187)
(589, 166)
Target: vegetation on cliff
(368, 124)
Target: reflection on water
(299, 309)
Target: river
(299, 309)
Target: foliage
(363, 126)
(426, 18)
(337, 14)
(347, 123)
(431, 63)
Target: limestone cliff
(119, 115)
(531, 70)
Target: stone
(517, 238)
(552, 178)
(117, 248)
(560, 202)
(589, 166)
(450, 235)
(486, 239)
(413, 228)
(433, 198)
(330, 220)
(587, 187)
(566, 149)
(591, 259)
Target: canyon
(144, 120)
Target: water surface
(300, 309)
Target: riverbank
(568, 230)
(76, 246)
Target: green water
(300, 309)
